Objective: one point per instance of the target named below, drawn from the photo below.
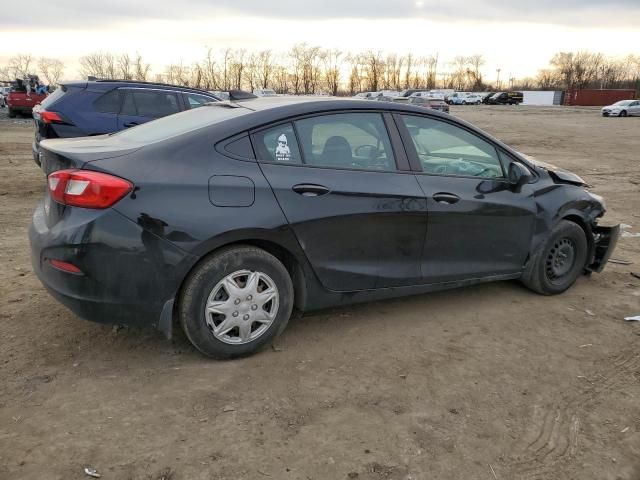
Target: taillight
(50, 117)
(84, 188)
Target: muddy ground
(487, 382)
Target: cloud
(82, 14)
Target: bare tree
(141, 69)
(99, 64)
(51, 69)
(331, 63)
(265, 67)
(19, 66)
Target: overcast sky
(518, 36)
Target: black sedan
(227, 217)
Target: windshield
(623, 103)
(182, 122)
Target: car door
(634, 108)
(141, 105)
(350, 197)
(478, 226)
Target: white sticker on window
(283, 153)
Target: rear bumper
(20, 108)
(128, 273)
(606, 239)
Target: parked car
(433, 103)
(472, 99)
(264, 92)
(78, 109)
(19, 101)
(457, 98)
(412, 91)
(506, 98)
(228, 216)
(4, 91)
(622, 108)
(487, 96)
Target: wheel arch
(586, 228)
(285, 255)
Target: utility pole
(498, 79)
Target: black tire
(548, 272)
(199, 284)
(11, 113)
(623, 113)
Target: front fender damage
(605, 240)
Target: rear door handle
(131, 124)
(310, 189)
(444, 197)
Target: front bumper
(605, 241)
(128, 273)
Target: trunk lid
(60, 153)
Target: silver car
(622, 109)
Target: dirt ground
(488, 382)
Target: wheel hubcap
(242, 306)
(560, 259)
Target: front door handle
(444, 197)
(130, 124)
(310, 189)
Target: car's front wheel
(559, 261)
(623, 113)
(235, 302)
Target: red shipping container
(597, 97)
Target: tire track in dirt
(552, 436)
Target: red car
(19, 101)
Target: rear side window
(193, 100)
(155, 103)
(278, 144)
(346, 140)
(109, 102)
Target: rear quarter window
(109, 102)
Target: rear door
(141, 105)
(347, 192)
(478, 225)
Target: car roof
(109, 84)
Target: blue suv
(96, 107)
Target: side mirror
(518, 174)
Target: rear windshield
(182, 122)
(54, 97)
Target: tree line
(308, 69)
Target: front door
(360, 220)
(478, 225)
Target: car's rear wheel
(11, 112)
(235, 302)
(559, 261)
(623, 113)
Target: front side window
(155, 103)
(445, 149)
(346, 140)
(278, 144)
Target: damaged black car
(226, 218)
